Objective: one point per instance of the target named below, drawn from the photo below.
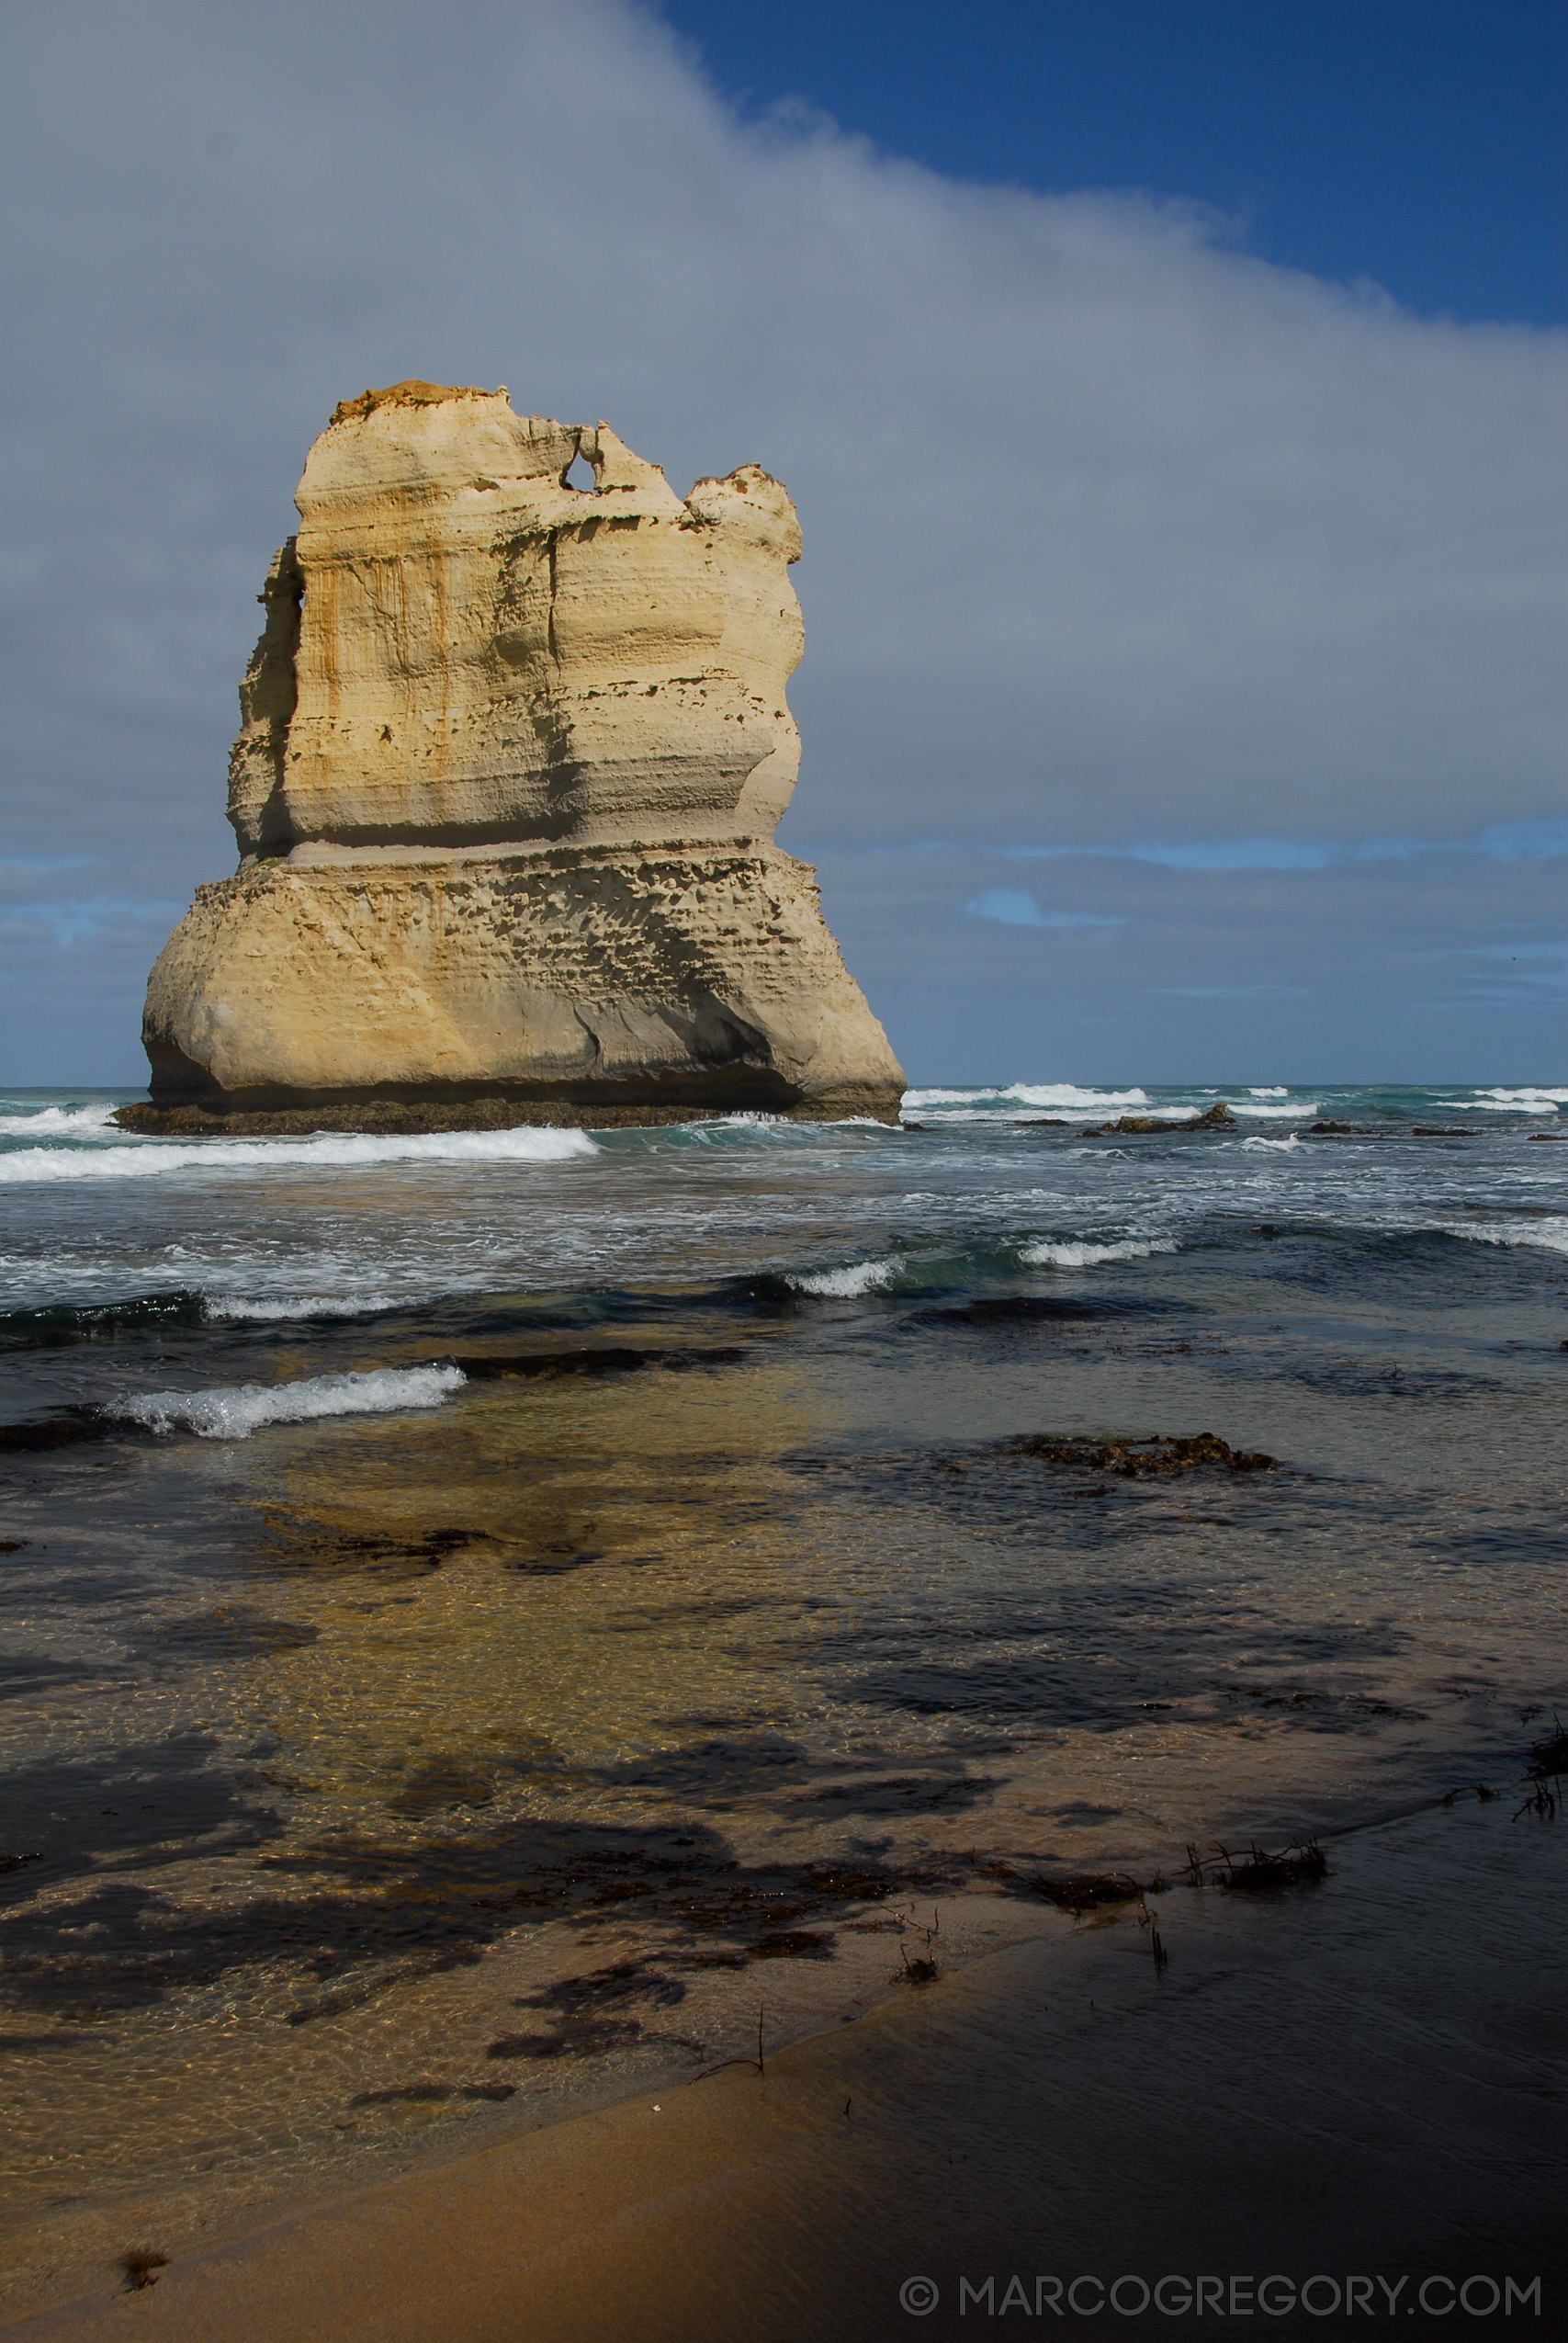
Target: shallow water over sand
(762, 1581)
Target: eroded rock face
(510, 758)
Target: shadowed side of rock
(510, 758)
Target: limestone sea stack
(512, 755)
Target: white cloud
(1113, 533)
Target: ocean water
(483, 1617)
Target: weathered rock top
(464, 649)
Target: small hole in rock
(580, 474)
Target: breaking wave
(844, 1285)
(62, 1122)
(286, 1308)
(236, 1413)
(1072, 1253)
(1548, 1234)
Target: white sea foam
(1549, 1234)
(234, 1413)
(1268, 1090)
(330, 1151)
(1279, 1147)
(1301, 1106)
(1052, 1254)
(268, 1306)
(63, 1123)
(844, 1284)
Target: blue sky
(1417, 142)
(1172, 396)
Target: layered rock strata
(510, 758)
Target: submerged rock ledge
(510, 758)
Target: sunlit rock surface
(511, 755)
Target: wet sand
(1354, 2091)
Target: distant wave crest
(329, 1150)
(1526, 1101)
(1068, 1096)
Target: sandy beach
(1331, 2103)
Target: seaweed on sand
(1300, 1865)
(141, 2266)
(1088, 1891)
(1548, 1762)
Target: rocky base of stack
(417, 993)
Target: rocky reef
(510, 758)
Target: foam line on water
(235, 1412)
(329, 1151)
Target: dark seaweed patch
(405, 2094)
(620, 1982)
(1152, 1456)
(25, 1673)
(901, 1793)
(153, 1803)
(1088, 1891)
(395, 1913)
(793, 1944)
(232, 1631)
(414, 1555)
(587, 2034)
(1302, 1864)
(720, 1766)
